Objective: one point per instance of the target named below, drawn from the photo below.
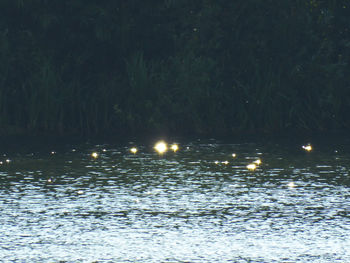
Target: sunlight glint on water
(188, 206)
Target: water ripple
(197, 205)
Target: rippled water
(188, 206)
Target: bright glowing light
(258, 161)
(94, 155)
(291, 185)
(53, 152)
(251, 166)
(161, 147)
(133, 150)
(225, 162)
(216, 162)
(307, 148)
(174, 147)
(234, 155)
(8, 160)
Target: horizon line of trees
(188, 67)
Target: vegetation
(189, 67)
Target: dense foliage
(177, 66)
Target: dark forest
(199, 67)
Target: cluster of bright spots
(223, 162)
(161, 147)
(174, 147)
(94, 155)
(6, 161)
(133, 150)
(252, 166)
(307, 148)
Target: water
(188, 206)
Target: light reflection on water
(180, 207)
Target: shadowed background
(187, 67)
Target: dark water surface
(188, 206)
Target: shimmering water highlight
(183, 206)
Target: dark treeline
(177, 66)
